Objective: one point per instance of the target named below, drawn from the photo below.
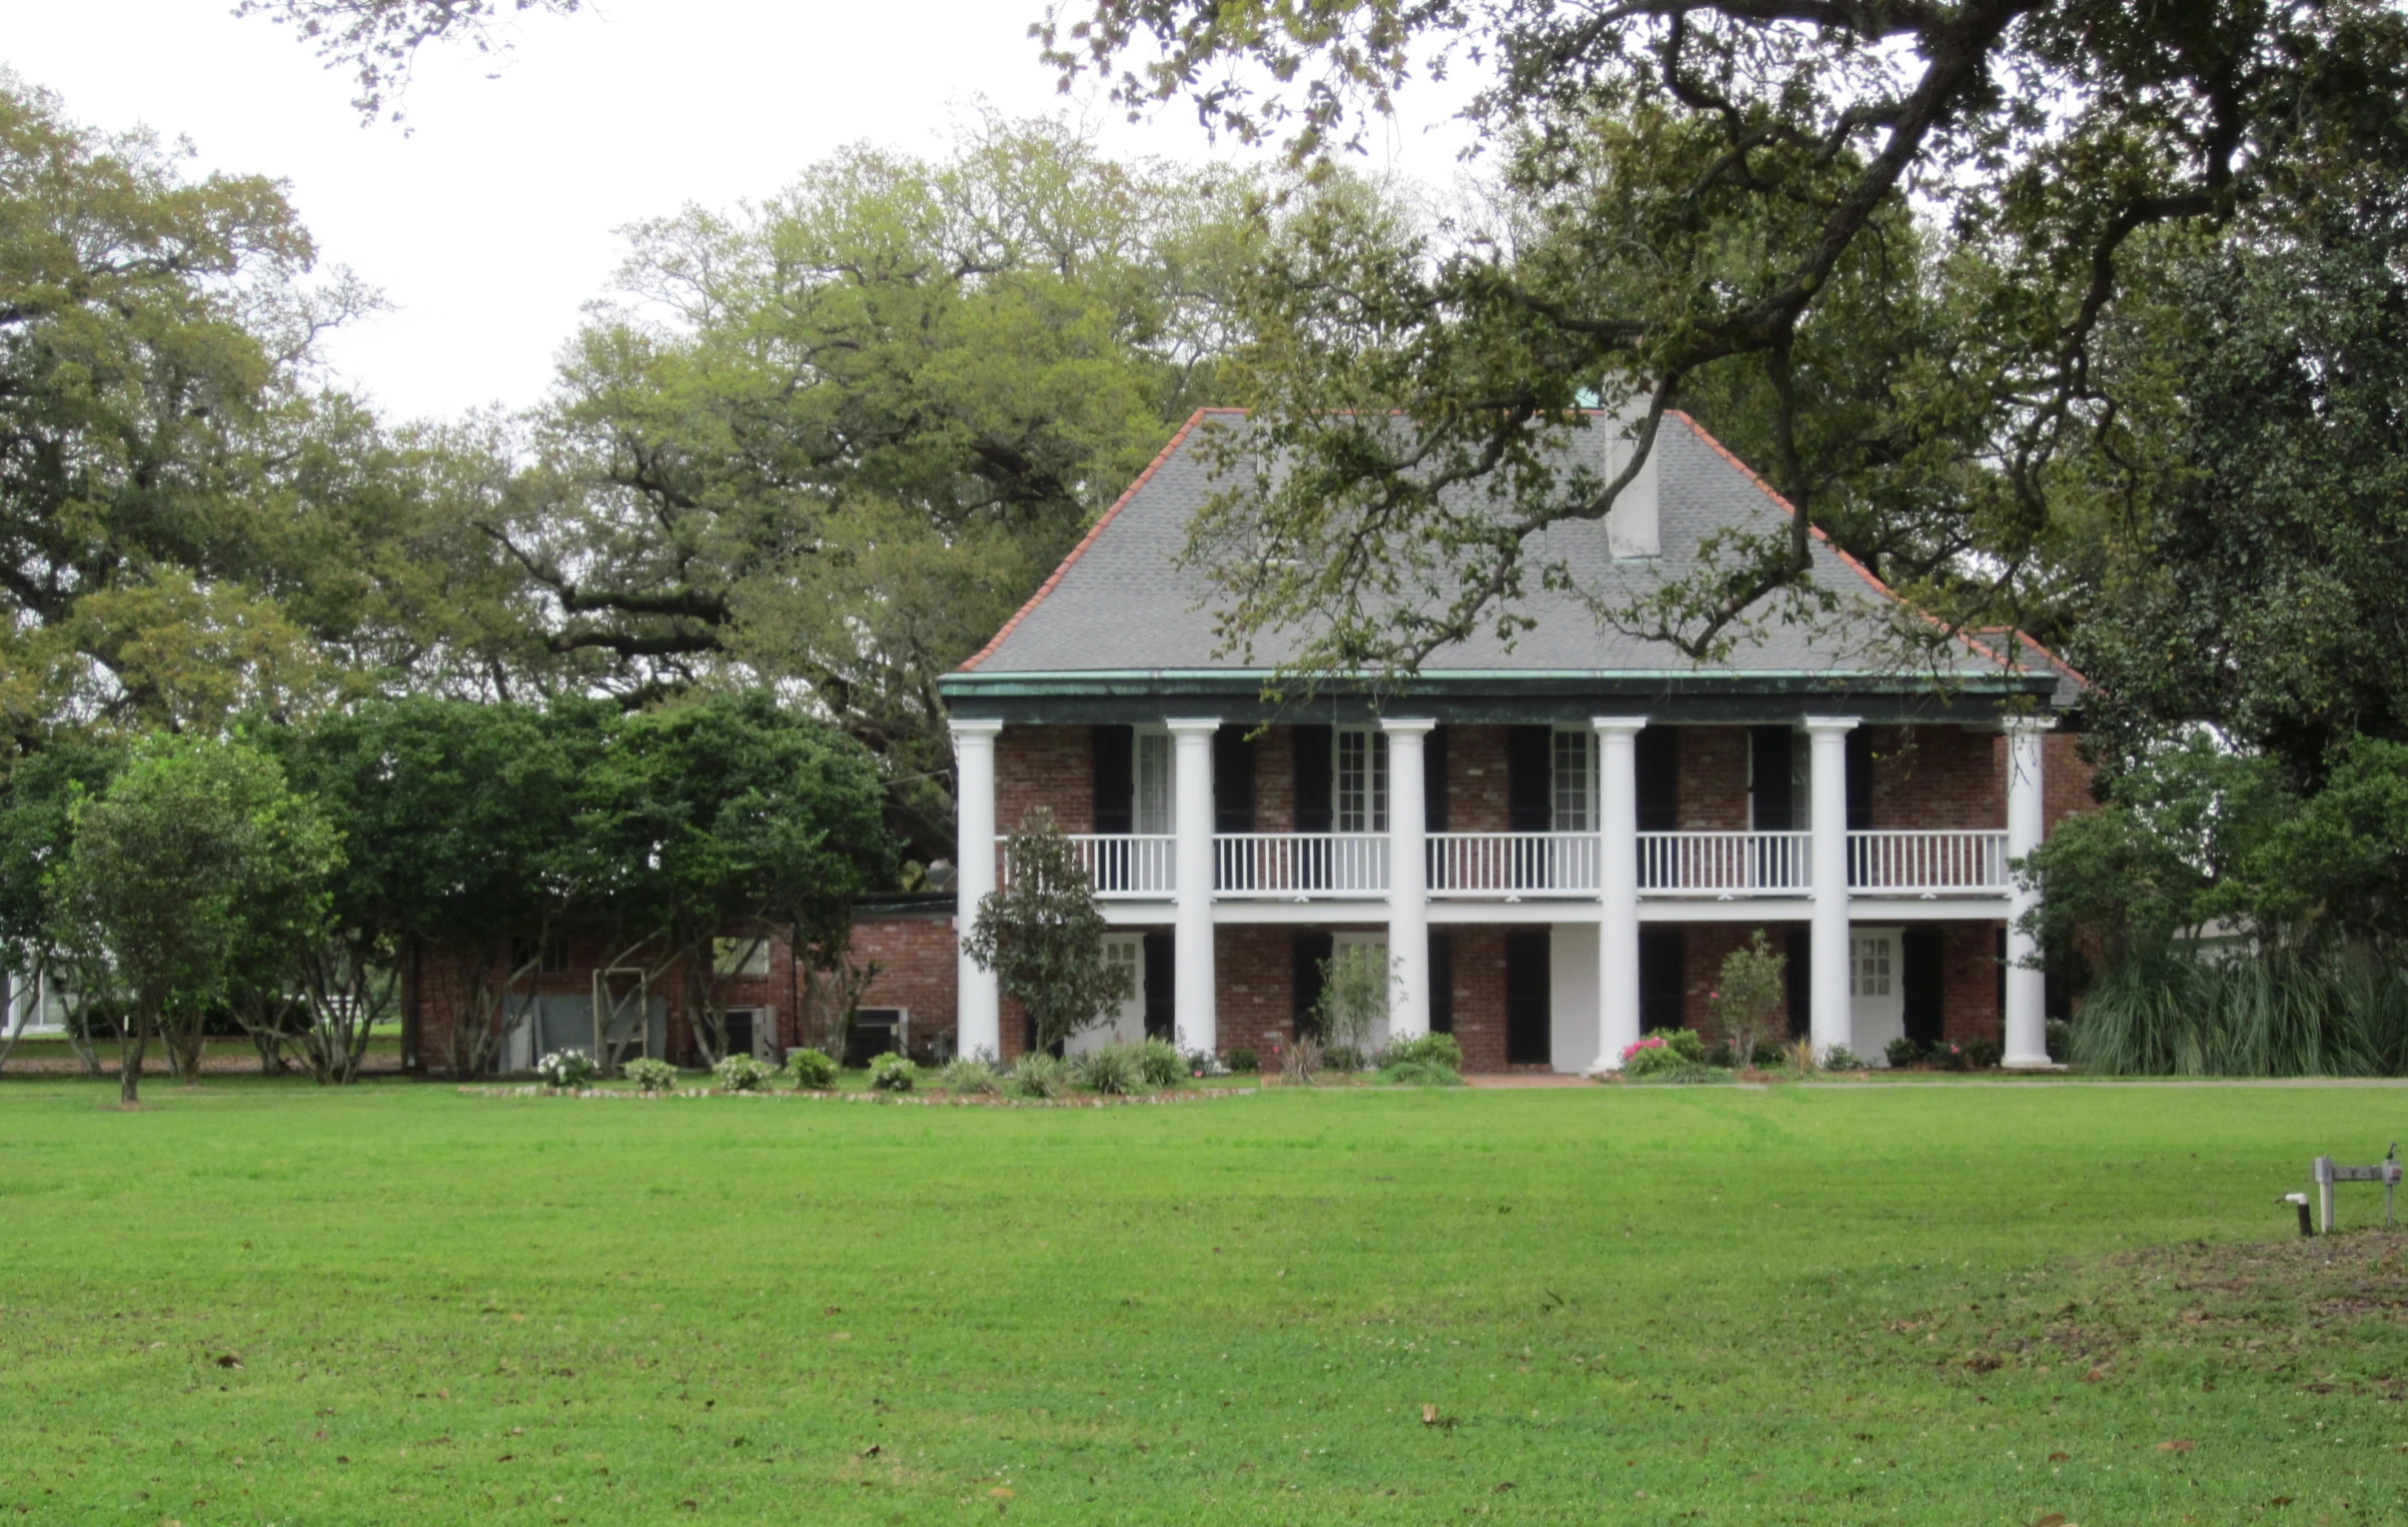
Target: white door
(1126, 1023)
(1877, 992)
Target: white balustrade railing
(1120, 866)
(1929, 864)
(1289, 865)
(1725, 864)
(1512, 864)
(1468, 865)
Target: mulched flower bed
(920, 1100)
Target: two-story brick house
(1558, 840)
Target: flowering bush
(812, 1071)
(741, 1072)
(567, 1070)
(652, 1075)
(893, 1072)
(1662, 1050)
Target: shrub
(2060, 1040)
(567, 1070)
(1109, 1068)
(1439, 1050)
(1769, 1054)
(970, 1077)
(1354, 997)
(1679, 1074)
(1422, 1073)
(1951, 1057)
(1985, 1053)
(1041, 1075)
(1749, 991)
(1341, 1057)
(1841, 1059)
(1159, 1063)
(652, 1075)
(1902, 1052)
(892, 1072)
(1663, 1050)
(741, 1072)
(812, 1071)
(1202, 1062)
(1243, 1059)
(1299, 1061)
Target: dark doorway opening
(1921, 984)
(1161, 985)
(1528, 989)
(1663, 977)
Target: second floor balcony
(1710, 866)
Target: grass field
(266, 1303)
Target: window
(1869, 972)
(1125, 953)
(1152, 812)
(556, 955)
(1362, 779)
(740, 957)
(1573, 783)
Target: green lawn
(1813, 1304)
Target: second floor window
(1362, 765)
(1573, 781)
(1152, 811)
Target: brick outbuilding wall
(915, 954)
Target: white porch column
(1194, 1000)
(979, 1024)
(1835, 1018)
(1408, 882)
(1618, 886)
(2026, 987)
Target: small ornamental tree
(1354, 982)
(1043, 933)
(1749, 992)
(169, 870)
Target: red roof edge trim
(1088, 539)
(1816, 532)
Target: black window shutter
(1308, 949)
(1663, 976)
(1802, 982)
(1232, 781)
(1859, 781)
(1659, 769)
(1529, 778)
(1434, 782)
(1161, 982)
(1769, 779)
(1116, 778)
(1310, 748)
(1442, 981)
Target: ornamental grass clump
(970, 1077)
(567, 1070)
(651, 1077)
(1111, 1070)
(1159, 1063)
(1040, 1076)
(812, 1071)
(741, 1072)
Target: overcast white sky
(493, 221)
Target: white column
(1618, 886)
(978, 1023)
(2026, 987)
(1194, 1000)
(1408, 882)
(1835, 1018)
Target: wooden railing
(1927, 863)
(1289, 865)
(1725, 864)
(1510, 864)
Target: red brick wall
(1045, 766)
(1480, 996)
(1714, 779)
(1254, 968)
(1938, 778)
(1969, 982)
(1705, 945)
(915, 955)
(2066, 778)
(1275, 781)
(1477, 787)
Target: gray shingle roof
(1121, 603)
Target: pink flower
(1628, 1050)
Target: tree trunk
(130, 1047)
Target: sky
(493, 218)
